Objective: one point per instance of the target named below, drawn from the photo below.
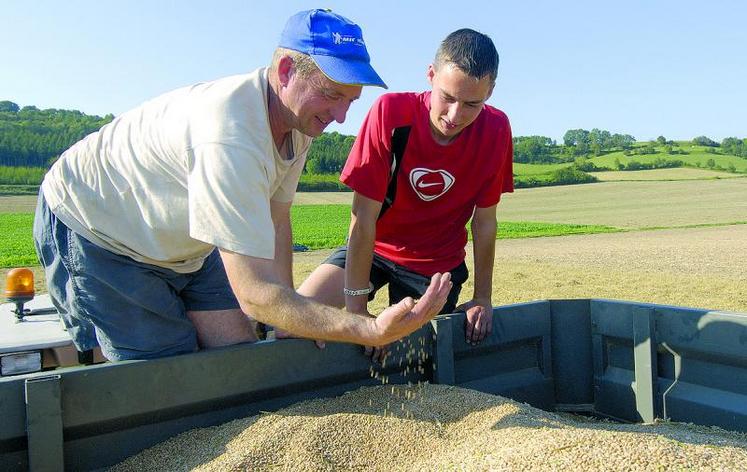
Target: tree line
(30, 137)
(580, 143)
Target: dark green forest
(30, 137)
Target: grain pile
(436, 427)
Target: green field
(326, 226)
(16, 241)
(534, 170)
(314, 226)
(320, 226)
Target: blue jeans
(131, 309)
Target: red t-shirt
(438, 186)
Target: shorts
(131, 309)
(402, 281)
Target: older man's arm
(280, 212)
(261, 292)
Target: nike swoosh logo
(424, 185)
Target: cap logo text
(338, 38)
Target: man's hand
(479, 323)
(377, 353)
(401, 319)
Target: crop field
(326, 226)
(320, 226)
(15, 240)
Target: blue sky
(646, 68)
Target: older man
(160, 231)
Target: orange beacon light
(19, 288)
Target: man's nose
(339, 111)
(453, 112)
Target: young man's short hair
(472, 52)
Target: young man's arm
(260, 291)
(364, 214)
(480, 309)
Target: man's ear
(285, 70)
(430, 74)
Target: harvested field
(323, 198)
(437, 427)
(631, 205)
(18, 204)
(698, 267)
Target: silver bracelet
(361, 291)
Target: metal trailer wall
(633, 362)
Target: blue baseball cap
(334, 43)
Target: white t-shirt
(179, 175)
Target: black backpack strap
(399, 143)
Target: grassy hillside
(693, 156)
(696, 156)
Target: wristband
(362, 291)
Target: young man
(142, 225)
(457, 162)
